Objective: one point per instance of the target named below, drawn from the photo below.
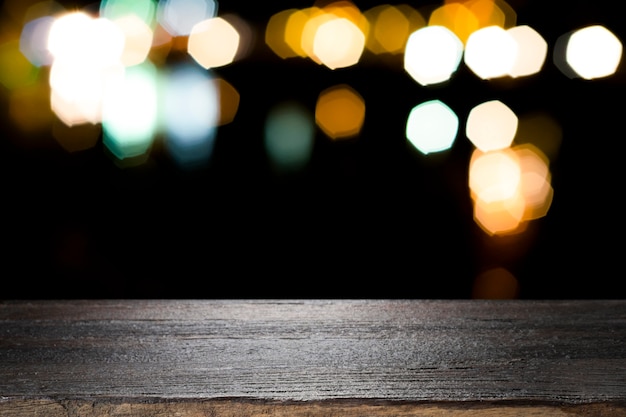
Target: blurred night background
(260, 165)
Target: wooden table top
(312, 357)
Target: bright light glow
(509, 187)
(67, 35)
(145, 10)
(432, 55)
(340, 112)
(129, 112)
(276, 32)
(213, 43)
(535, 186)
(494, 176)
(432, 127)
(138, 39)
(289, 137)
(532, 50)
(178, 17)
(190, 115)
(34, 41)
(491, 52)
(593, 52)
(77, 90)
(491, 126)
(338, 43)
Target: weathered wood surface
(300, 358)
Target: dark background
(369, 217)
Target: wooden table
(308, 358)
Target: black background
(369, 217)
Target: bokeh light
(509, 188)
(178, 17)
(15, 70)
(457, 18)
(129, 112)
(491, 52)
(138, 39)
(593, 52)
(289, 137)
(491, 125)
(391, 26)
(340, 112)
(432, 127)
(190, 114)
(338, 43)
(213, 43)
(494, 176)
(432, 55)
(229, 101)
(34, 41)
(276, 34)
(532, 50)
(496, 283)
(145, 10)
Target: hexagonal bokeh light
(178, 17)
(432, 127)
(432, 54)
(532, 50)
(340, 112)
(593, 52)
(289, 136)
(338, 43)
(491, 52)
(213, 43)
(491, 125)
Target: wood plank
(312, 357)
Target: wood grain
(305, 358)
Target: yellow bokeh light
(295, 28)
(491, 125)
(491, 52)
(340, 112)
(213, 43)
(432, 54)
(15, 69)
(532, 50)
(229, 101)
(338, 43)
(456, 17)
(593, 52)
(275, 34)
(494, 176)
(509, 188)
(388, 25)
(500, 217)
